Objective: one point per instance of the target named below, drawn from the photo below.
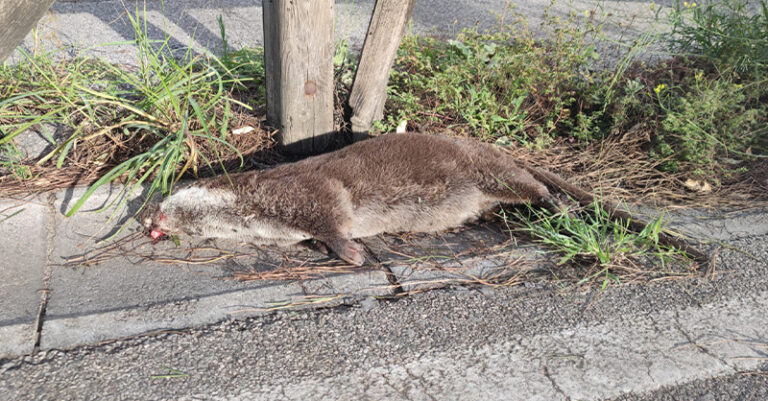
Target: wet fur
(393, 183)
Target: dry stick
(586, 199)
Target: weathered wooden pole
(369, 90)
(298, 60)
(17, 17)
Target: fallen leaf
(243, 130)
(697, 186)
(401, 127)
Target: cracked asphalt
(539, 341)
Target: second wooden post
(369, 91)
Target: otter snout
(154, 223)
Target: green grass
(11, 159)
(592, 238)
(731, 34)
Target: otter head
(192, 210)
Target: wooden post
(17, 17)
(298, 59)
(369, 91)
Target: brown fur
(393, 183)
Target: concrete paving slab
(66, 331)
(496, 268)
(17, 339)
(22, 268)
(368, 283)
(23, 227)
(479, 253)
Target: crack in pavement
(47, 275)
(552, 381)
(421, 380)
(697, 345)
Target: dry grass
(620, 168)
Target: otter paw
(348, 250)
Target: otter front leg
(326, 216)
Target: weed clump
(171, 114)
(591, 238)
(505, 84)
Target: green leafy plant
(703, 119)
(505, 83)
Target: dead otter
(393, 183)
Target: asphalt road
(538, 341)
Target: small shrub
(703, 119)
